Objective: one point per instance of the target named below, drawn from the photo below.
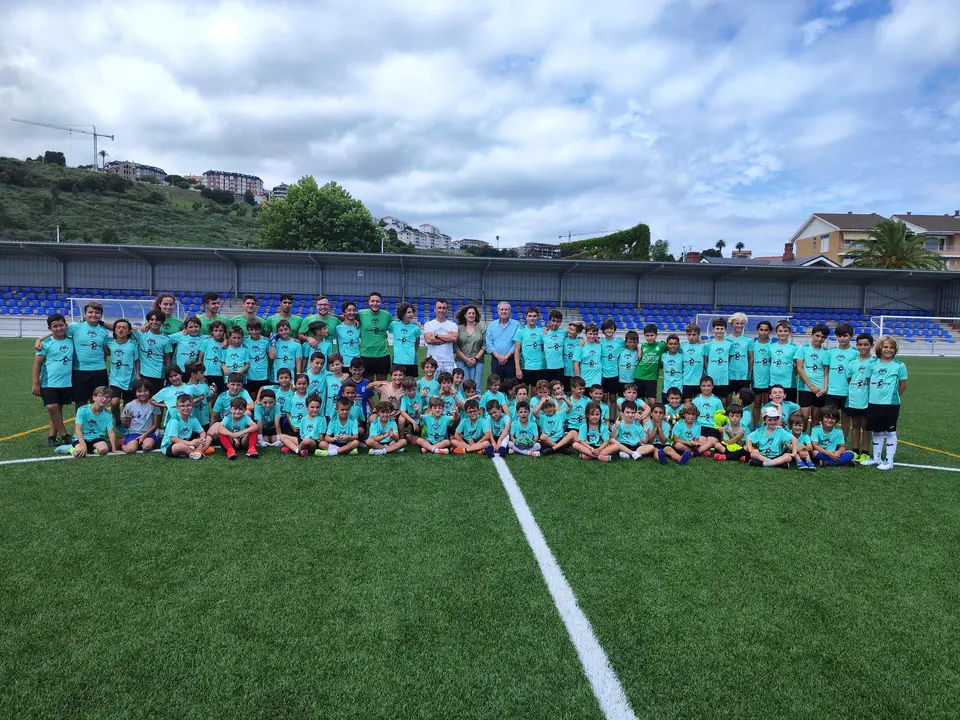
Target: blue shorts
(130, 437)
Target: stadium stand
(28, 301)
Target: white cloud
(704, 118)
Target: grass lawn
(403, 587)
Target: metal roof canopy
(153, 254)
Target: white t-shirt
(141, 416)
(440, 353)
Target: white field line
(926, 467)
(38, 459)
(596, 666)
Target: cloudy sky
(529, 119)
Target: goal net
(920, 334)
(705, 321)
(134, 310)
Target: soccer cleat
(584, 456)
(52, 441)
(885, 465)
(685, 458)
(195, 456)
(489, 451)
(303, 453)
(231, 453)
(442, 451)
(261, 442)
(502, 452)
(459, 451)
(210, 451)
(318, 452)
(253, 455)
(535, 453)
(662, 456)
(354, 452)
(756, 463)
(381, 451)
(862, 458)
(870, 462)
(604, 458)
(719, 456)
(285, 450)
(811, 465)
(706, 453)
(546, 451)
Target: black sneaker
(53, 441)
(546, 451)
(756, 463)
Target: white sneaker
(870, 462)
(636, 455)
(262, 443)
(885, 465)
(625, 456)
(195, 456)
(534, 453)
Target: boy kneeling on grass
(94, 425)
(236, 431)
(183, 435)
(771, 445)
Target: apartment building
(540, 250)
(237, 183)
(942, 231)
(135, 171)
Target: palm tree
(890, 245)
(739, 246)
(103, 158)
(720, 245)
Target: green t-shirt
(373, 333)
(206, 322)
(331, 321)
(270, 324)
(240, 321)
(171, 325)
(648, 368)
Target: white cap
(771, 412)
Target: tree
(740, 246)
(311, 217)
(660, 252)
(103, 158)
(150, 179)
(110, 236)
(51, 157)
(720, 245)
(248, 197)
(890, 245)
(632, 244)
(710, 252)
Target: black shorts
(85, 382)
(56, 396)
(376, 366)
(710, 432)
(254, 386)
(612, 385)
(411, 370)
(551, 374)
(737, 385)
(90, 441)
(882, 418)
(531, 377)
(217, 380)
(758, 391)
(721, 391)
(567, 379)
(809, 399)
(648, 388)
(691, 391)
(855, 412)
(838, 401)
(631, 447)
(125, 395)
(790, 394)
(155, 383)
(287, 429)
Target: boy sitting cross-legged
(473, 432)
(771, 445)
(384, 435)
(236, 431)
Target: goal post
(133, 309)
(705, 320)
(920, 334)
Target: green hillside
(101, 207)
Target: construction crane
(572, 234)
(74, 129)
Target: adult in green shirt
(648, 367)
(374, 323)
(286, 304)
(250, 303)
(167, 304)
(211, 312)
(323, 315)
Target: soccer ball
(524, 443)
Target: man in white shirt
(439, 334)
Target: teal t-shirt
(488, 396)
(673, 414)
(287, 353)
(297, 409)
(718, 360)
(590, 357)
(531, 347)
(435, 429)
(553, 426)
(740, 350)
(707, 407)
(317, 385)
(839, 360)
(177, 427)
(631, 434)
(333, 391)
(685, 433)
(449, 404)
(673, 371)
(348, 342)
(94, 425)
(236, 425)
(782, 370)
(336, 427)
(168, 396)
(313, 427)
(570, 345)
(814, 361)
(827, 440)
(266, 418)
(259, 360)
(593, 436)
(858, 382)
(576, 415)
(472, 431)
(201, 404)
(692, 363)
(212, 357)
(235, 358)
(432, 386)
(325, 347)
(802, 439)
(627, 365)
(885, 382)
(405, 336)
(57, 368)
(222, 406)
(761, 364)
(88, 342)
(498, 426)
(413, 407)
(152, 348)
(123, 357)
(270, 324)
(241, 322)
(787, 408)
(770, 445)
(554, 356)
(610, 356)
(187, 349)
(528, 431)
(377, 428)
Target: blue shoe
(489, 451)
(685, 458)
(662, 457)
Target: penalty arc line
(596, 665)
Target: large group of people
(336, 384)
